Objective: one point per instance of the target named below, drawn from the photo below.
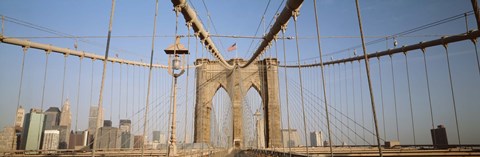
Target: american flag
(233, 47)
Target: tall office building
(316, 139)
(294, 140)
(50, 139)
(92, 119)
(126, 136)
(108, 138)
(439, 137)
(52, 118)
(78, 140)
(32, 130)
(65, 125)
(20, 116)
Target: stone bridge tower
(262, 75)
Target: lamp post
(175, 64)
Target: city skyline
(423, 72)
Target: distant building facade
(316, 139)
(439, 137)
(50, 139)
(126, 136)
(95, 121)
(52, 118)
(78, 140)
(108, 137)
(32, 130)
(294, 140)
(20, 117)
(65, 125)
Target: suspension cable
(150, 75)
(44, 78)
(353, 94)
(381, 97)
(120, 94)
(453, 94)
(91, 83)
(111, 94)
(21, 77)
(64, 74)
(100, 101)
(126, 104)
(284, 27)
(394, 97)
(295, 16)
(362, 103)
(429, 95)
(367, 68)
(410, 97)
(186, 88)
(78, 96)
(19, 88)
(346, 97)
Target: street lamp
(174, 52)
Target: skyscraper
(65, 124)
(19, 118)
(52, 118)
(93, 121)
(316, 138)
(50, 139)
(126, 136)
(294, 138)
(32, 130)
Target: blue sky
(337, 22)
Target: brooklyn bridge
(240, 78)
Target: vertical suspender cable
(284, 27)
(361, 100)
(91, 83)
(429, 97)
(21, 77)
(410, 97)
(346, 100)
(64, 74)
(367, 67)
(111, 95)
(120, 94)
(145, 120)
(334, 103)
(78, 95)
(126, 104)
(100, 101)
(477, 18)
(279, 93)
(295, 16)
(453, 94)
(43, 90)
(354, 106)
(20, 86)
(381, 97)
(44, 78)
(394, 97)
(189, 24)
(341, 104)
